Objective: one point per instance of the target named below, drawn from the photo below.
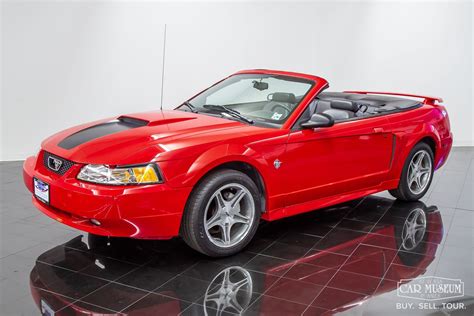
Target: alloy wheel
(229, 214)
(419, 172)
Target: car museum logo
(430, 288)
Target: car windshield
(256, 98)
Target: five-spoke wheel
(228, 215)
(416, 175)
(222, 213)
(419, 172)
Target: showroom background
(66, 63)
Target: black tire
(192, 226)
(403, 192)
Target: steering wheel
(285, 109)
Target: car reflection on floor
(319, 263)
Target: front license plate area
(41, 190)
(46, 310)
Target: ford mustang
(257, 145)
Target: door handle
(378, 130)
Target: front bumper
(146, 212)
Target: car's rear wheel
(417, 174)
(222, 213)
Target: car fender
(220, 155)
(409, 140)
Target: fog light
(95, 222)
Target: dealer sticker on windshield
(276, 116)
(41, 190)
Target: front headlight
(122, 175)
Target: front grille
(65, 164)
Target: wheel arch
(245, 167)
(426, 134)
(430, 141)
(230, 156)
(430, 137)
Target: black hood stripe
(96, 131)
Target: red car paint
(319, 167)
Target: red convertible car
(259, 144)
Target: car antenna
(163, 69)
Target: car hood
(141, 137)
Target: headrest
(344, 105)
(283, 97)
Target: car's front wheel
(222, 213)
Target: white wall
(64, 63)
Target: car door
(349, 156)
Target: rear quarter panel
(410, 127)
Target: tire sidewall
(198, 206)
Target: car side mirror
(318, 120)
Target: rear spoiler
(427, 99)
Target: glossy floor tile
(348, 259)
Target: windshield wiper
(232, 112)
(190, 106)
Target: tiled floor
(346, 259)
